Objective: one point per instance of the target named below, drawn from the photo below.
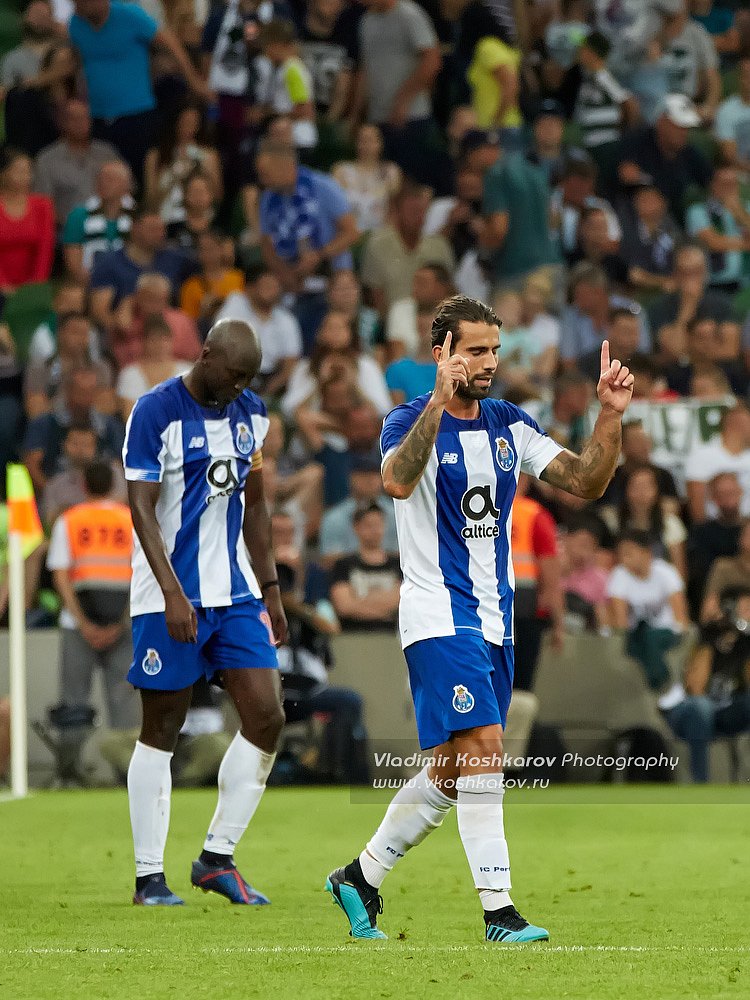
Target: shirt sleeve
(535, 448)
(37, 434)
(670, 578)
(495, 192)
(58, 554)
(696, 219)
(724, 122)
(419, 29)
(290, 337)
(332, 197)
(617, 585)
(297, 83)
(396, 425)
(144, 26)
(73, 228)
(144, 449)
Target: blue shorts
(237, 636)
(458, 682)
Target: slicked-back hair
(457, 309)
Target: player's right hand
(452, 371)
(182, 621)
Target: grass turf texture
(644, 891)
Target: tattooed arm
(588, 474)
(405, 466)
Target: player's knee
(264, 726)
(162, 733)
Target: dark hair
(598, 43)
(619, 311)
(320, 351)
(9, 154)
(644, 364)
(368, 507)
(639, 538)
(570, 380)
(98, 478)
(80, 427)
(656, 517)
(278, 31)
(156, 324)
(168, 143)
(460, 309)
(144, 210)
(439, 271)
(68, 317)
(254, 272)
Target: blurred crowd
(330, 171)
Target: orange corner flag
(23, 517)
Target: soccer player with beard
(205, 599)
(451, 461)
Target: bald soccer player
(205, 599)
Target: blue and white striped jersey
(201, 457)
(454, 530)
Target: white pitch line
(395, 948)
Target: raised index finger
(445, 350)
(605, 356)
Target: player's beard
(472, 390)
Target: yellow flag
(23, 517)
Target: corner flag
(23, 517)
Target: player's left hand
(277, 615)
(615, 388)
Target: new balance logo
(449, 458)
(197, 442)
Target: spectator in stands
(716, 538)
(202, 295)
(288, 86)
(732, 125)
(66, 487)
(369, 181)
(691, 299)
(548, 149)
(337, 537)
(458, 218)
(691, 61)
(648, 240)
(298, 484)
(647, 602)
(27, 226)
(596, 246)
(183, 150)
(585, 321)
(718, 20)
(603, 107)
(115, 273)
(42, 443)
(89, 557)
(414, 375)
(277, 329)
(198, 211)
(38, 31)
(728, 575)
(574, 194)
(710, 345)
(69, 297)
(716, 700)
(564, 416)
(730, 452)
(721, 225)
(101, 223)
(430, 285)
(637, 447)
(493, 75)
(307, 230)
(67, 170)
(337, 353)
(366, 586)
(11, 409)
(516, 211)
(623, 333)
(114, 43)
(663, 152)
(157, 364)
(395, 252)
(329, 43)
(151, 299)
(33, 110)
(584, 579)
(400, 63)
(543, 328)
(43, 380)
(345, 296)
(643, 508)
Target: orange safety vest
(100, 536)
(525, 566)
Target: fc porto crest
(504, 454)
(151, 662)
(463, 699)
(243, 439)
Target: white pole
(19, 776)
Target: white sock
(149, 792)
(418, 808)
(242, 780)
(480, 824)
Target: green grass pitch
(645, 891)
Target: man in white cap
(663, 151)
